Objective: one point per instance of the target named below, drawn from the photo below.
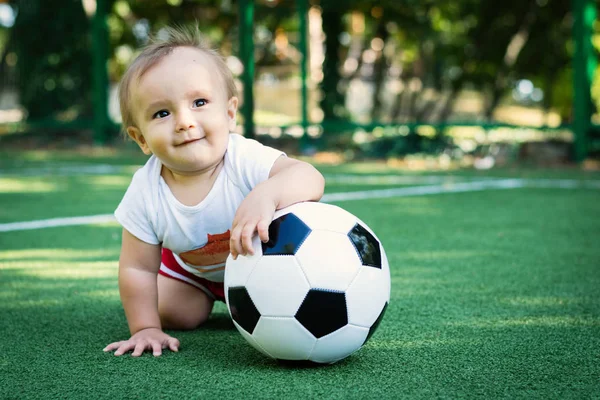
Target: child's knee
(181, 322)
(180, 319)
(181, 306)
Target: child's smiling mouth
(189, 141)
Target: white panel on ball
(367, 295)
(339, 344)
(238, 271)
(385, 268)
(324, 216)
(283, 211)
(250, 339)
(329, 260)
(277, 286)
(276, 336)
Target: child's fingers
(156, 348)
(139, 348)
(124, 348)
(173, 344)
(247, 234)
(263, 230)
(112, 346)
(234, 243)
(235, 234)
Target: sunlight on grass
(20, 293)
(113, 224)
(103, 294)
(544, 321)
(441, 255)
(36, 285)
(408, 206)
(15, 304)
(540, 301)
(56, 270)
(110, 181)
(56, 255)
(9, 185)
(410, 344)
(9, 294)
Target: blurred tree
(429, 52)
(548, 56)
(439, 47)
(492, 45)
(53, 58)
(447, 44)
(132, 22)
(332, 100)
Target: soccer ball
(316, 291)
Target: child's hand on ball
(253, 215)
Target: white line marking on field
(54, 222)
(424, 190)
(450, 187)
(561, 183)
(398, 179)
(66, 170)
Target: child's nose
(185, 121)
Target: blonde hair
(159, 48)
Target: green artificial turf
(495, 294)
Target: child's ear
(232, 107)
(138, 137)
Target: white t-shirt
(197, 234)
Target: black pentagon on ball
(376, 323)
(366, 246)
(286, 235)
(243, 310)
(323, 312)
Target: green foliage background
(53, 53)
(448, 45)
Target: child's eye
(200, 102)
(160, 114)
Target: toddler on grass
(203, 194)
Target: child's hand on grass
(152, 339)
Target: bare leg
(181, 306)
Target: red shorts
(171, 269)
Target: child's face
(182, 112)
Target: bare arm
(138, 269)
(290, 181)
